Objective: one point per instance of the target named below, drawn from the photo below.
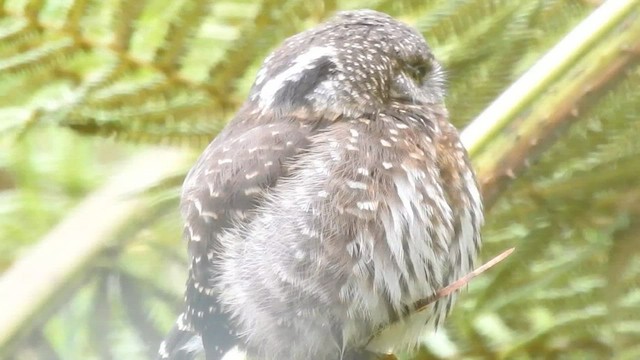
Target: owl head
(357, 62)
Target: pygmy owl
(336, 198)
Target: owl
(336, 198)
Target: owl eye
(419, 71)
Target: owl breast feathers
(336, 198)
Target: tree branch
(512, 151)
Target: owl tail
(181, 343)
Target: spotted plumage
(336, 198)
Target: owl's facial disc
(359, 61)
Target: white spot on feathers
(385, 143)
(367, 205)
(357, 185)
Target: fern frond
(126, 16)
(74, 14)
(47, 55)
(180, 32)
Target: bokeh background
(104, 104)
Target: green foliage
(41, 177)
(161, 71)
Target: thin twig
(456, 285)
(421, 305)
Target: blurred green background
(104, 105)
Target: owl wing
(227, 182)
